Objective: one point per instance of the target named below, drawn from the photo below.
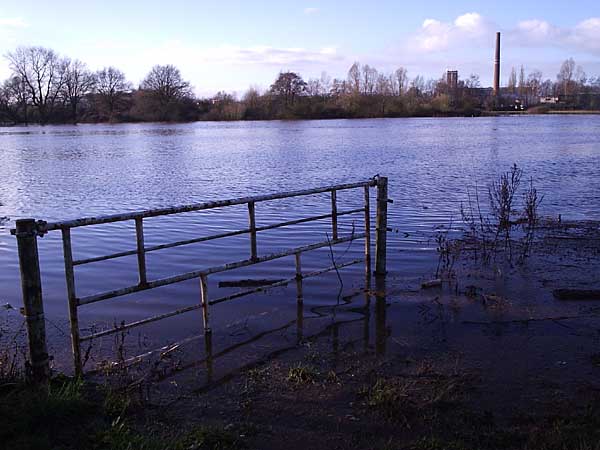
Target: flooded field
(58, 173)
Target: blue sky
(230, 45)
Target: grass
(57, 416)
(413, 400)
(302, 374)
(71, 415)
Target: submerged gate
(28, 230)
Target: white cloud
(311, 11)
(583, 37)
(437, 36)
(12, 22)
(473, 30)
(470, 23)
(260, 55)
(587, 35)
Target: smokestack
(497, 66)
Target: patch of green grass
(70, 415)
(54, 417)
(388, 398)
(212, 438)
(302, 374)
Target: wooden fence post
(204, 303)
(381, 225)
(334, 216)
(367, 233)
(31, 284)
(299, 292)
(252, 221)
(141, 250)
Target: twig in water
(337, 271)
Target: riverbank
(490, 358)
(469, 114)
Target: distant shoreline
(577, 112)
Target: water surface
(64, 172)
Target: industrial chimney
(497, 67)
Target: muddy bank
(489, 359)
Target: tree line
(45, 87)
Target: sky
(232, 45)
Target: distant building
(452, 79)
(548, 100)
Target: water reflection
(65, 172)
(381, 332)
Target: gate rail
(27, 231)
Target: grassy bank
(406, 405)
(71, 415)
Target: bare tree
(251, 97)
(546, 88)
(43, 74)
(166, 86)
(314, 88)
(534, 83)
(325, 82)
(522, 82)
(79, 82)
(473, 81)
(401, 75)
(369, 79)
(15, 99)
(418, 85)
(580, 76)
(512, 81)
(338, 87)
(354, 78)
(566, 75)
(111, 85)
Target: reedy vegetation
(494, 231)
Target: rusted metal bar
(80, 262)
(252, 222)
(250, 291)
(204, 302)
(141, 252)
(381, 238)
(199, 206)
(281, 283)
(212, 237)
(72, 299)
(367, 209)
(31, 285)
(138, 323)
(139, 358)
(240, 294)
(298, 265)
(334, 215)
(299, 290)
(195, 274)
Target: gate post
(31, 285)
(381, 227)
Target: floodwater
(65, 172)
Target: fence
(27, 231)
